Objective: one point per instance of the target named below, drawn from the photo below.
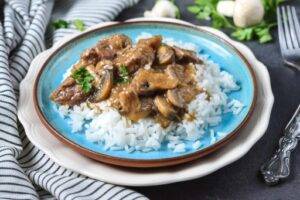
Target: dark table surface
(241, 179)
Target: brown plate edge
(137, 163)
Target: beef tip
(142, 55)
(153, 42)
(94, 55)
(165, 55)
(89, 56)
(145, 82)
(134, 58)
(69, 93)
(129, 101)
(188, 93)
(185, 74)
(106, 49)
(174, 96)
(176, 71)
(115, 42)
(190, 74)
(186, 56)
(180, 97)
(134, 108)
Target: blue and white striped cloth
(25, 171)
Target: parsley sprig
(83, 78)
(207, 10)
(60, 23)
(123, 75)
(79, 24)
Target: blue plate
(218, 51)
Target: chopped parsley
(60, 23)
(83, 78)
(79, 24)
(207, 10)
(123, 75)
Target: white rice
(115, 132)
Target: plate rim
(140, 163)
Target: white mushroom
(248, 12)
(226, 8)
(163, 8)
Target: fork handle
(278, 167)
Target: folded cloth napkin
(25, 171)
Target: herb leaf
(207, 10)
(79, 24)
(123, 75)
(60, 24)
(260, 32)
(194, 9)
(83, 78)
(244, 34)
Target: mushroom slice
(175, 97)
(165, 55)
(166, 109)
(180, 97)
(186, 56)
(133, 107)
(103, 88)
(146, 82)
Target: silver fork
(289, 35)
(278, 167)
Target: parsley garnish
(260, 32)
(83, 78)
(79, 24)
(60, 24)
(207, 10)
(123, 75)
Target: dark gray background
(241, 179)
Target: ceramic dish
(66, 157)
(218, 50)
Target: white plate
(65, 156)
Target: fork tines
(289, 33)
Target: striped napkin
(25, 171)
